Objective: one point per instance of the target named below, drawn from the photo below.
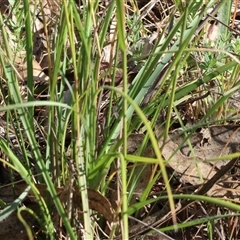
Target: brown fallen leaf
(38, 74)
(97, 202)
(188, 166)
(179, 162)
(192, 169)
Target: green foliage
(91, 160)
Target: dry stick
(200, 27)
(163, 235)
(194, 99)
(225, 25)
(208, 185)
(152, 221)
(204, 189)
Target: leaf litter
(188, 162)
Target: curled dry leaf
(97, 203)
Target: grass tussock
(92, 94)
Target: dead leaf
(97, 203)
(194, 169)
(38, 74)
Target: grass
(68, 145)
